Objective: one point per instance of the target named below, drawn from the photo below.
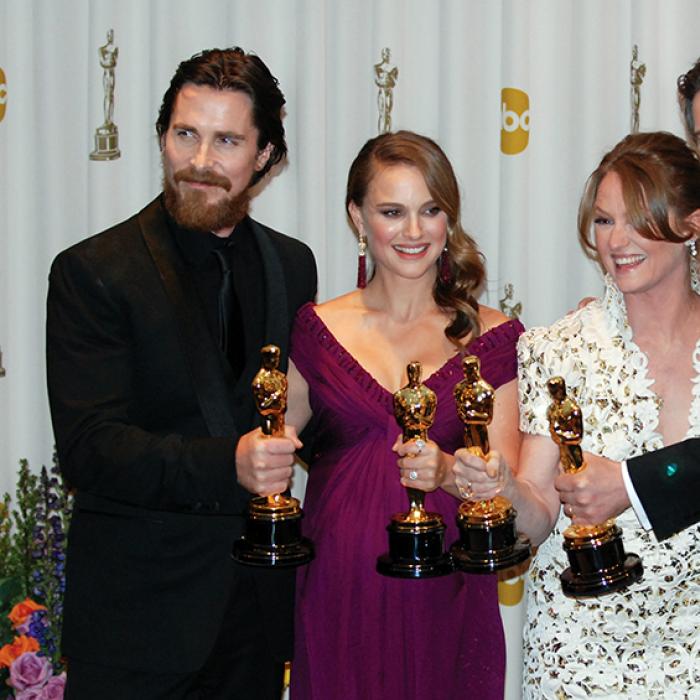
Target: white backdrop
(571, 58)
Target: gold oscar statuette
(598, 562)
(107, 135)
(488, 541)
(416, 537)
(272, 536)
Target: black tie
(226, 299)
(231, 331)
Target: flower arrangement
(32, 582)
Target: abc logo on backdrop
(3, 94)
(515, 121)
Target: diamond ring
(466, 493)
(420, 444)
(413, 475)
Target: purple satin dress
(360, 635)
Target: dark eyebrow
(218, 134)
(230, 134)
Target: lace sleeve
(533, 398)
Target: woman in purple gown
(359, 635)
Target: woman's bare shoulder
(339, 308)
(490, 318)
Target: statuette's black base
(490, 561)
(416, 549)
(484, 547)
(599, 566)
(281, 557)
(272, 537)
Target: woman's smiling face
(637, 264)
(405, 228)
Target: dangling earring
(444, 266)
(694, 274)
(361, 262)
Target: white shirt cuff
(634, 499)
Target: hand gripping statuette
(272, 535)
(598, 563)
(416, 538)
(488, 541)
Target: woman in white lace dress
(631, 359)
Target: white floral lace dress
(643, 642)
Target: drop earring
(444, 267)
(361, 262)
(694, 274)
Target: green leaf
(10, 590)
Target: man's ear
(263, 156)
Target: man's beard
(190, 208)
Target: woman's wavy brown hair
(466, 262)
(660, 176)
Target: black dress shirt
(247, 269)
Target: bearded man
(154, 332)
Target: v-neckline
(429, 381)
(615, 310)
(693, 407)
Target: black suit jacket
(146, 417)
(668, 485)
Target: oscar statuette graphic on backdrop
(507, 303)
(3, 107)
(3, 94)
(107, 135)
(637, 72)
(386, 75)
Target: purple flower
(24, 627)
(53, 690)
(29, 670)
(34, 693)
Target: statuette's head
(471, 366)
(413, 370)
(270, 357)
(557, 388)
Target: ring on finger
(420, 445)
(466, 493)
(413, 475)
